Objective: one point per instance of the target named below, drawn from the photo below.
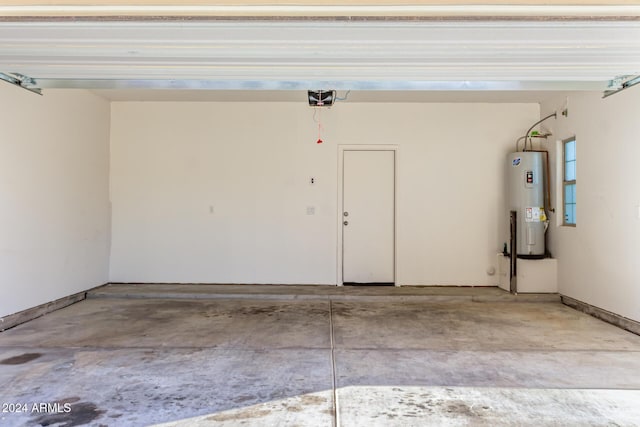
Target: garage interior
(190, 239)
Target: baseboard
(23, 316)
(609, 317)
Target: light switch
(211, 209)
(311, 210)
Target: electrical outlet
(312, 181)
(311, 210)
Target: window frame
(566, 183)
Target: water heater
(525, 181)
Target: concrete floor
(134, 356)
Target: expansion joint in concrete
(336, 413)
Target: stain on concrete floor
(136, 323)
(75, 414)
(19, 360)
(454, 406)
(257, 362)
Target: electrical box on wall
(321, 98)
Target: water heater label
(534, 214)
(516, 161)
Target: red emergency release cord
(319, 141)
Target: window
(569, 182)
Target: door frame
(366, 147)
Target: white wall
(54, 200)
(252, 161)
(598, 259)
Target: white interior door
(368, 222)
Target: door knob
(346, 214)
(346, 223)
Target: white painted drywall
(598, 259)
(172, 163)
(54, 195)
